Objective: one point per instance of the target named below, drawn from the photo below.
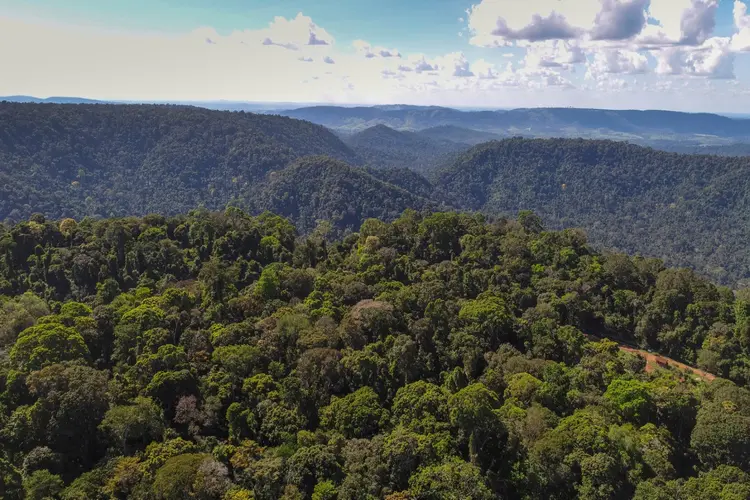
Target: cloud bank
(559, 46)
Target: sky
(691, 55)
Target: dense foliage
(383, 147)
(457, 134)
(723, 149)
(109, 160)
(316, 188)
(221, 356)
(690, 210)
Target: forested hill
(691, 210)
(545, 122)
(101, 160)
(383, 147)
(131, 159)
(315, 188)
(458, 135)
(218, 356)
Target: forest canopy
(131, 160)
(217, 355)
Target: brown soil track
(653, 361)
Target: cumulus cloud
(551, 27)
(554, 54)
(292, 33)
(616, 62)
(619, 20)
(611, 38)
(420, 64)
(455, 64)
(504, 22)
(713, 59)
(741, 39)
(485, 70)
(501, 22)
(368, 51)
(679, 22)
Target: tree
(356, 415)
(722, 435)
(175, 479)
(452, 480)
(10, 481)
(46, 344)
(421, 406)
(631, 398)
(41, 485)
(310, 466)
(134, 426)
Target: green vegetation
(440, 356)
(317, 188)
(383, 147)
(111, 161)
(689, 210)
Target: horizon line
(304, 104)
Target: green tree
(359, 414)
(134, 426)
(452, 480)
(46, 344)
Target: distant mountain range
(114, 160)
(701, 128)
(650, 127)
(48, 100)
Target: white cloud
(297, 60)
(615, 61)
(619, 20)
(484, 70)
(613, 37)
(554, 54)
(365, 49)
(683, 22)
(292, 33)
(741, 39)
(496, 23)
(713, 59)
(419, 64)
(455, 64)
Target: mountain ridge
(568, 122)
(110, 160)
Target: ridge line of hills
(117, 160)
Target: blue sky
(678, 54)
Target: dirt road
(655, 360)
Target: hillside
(219, 356)
(723, 149)
(458, 135)
(384, 147)
(691, 210)
(101, 160)
(108, 160)
(538, 122)
(404, 178)
(320, 188)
